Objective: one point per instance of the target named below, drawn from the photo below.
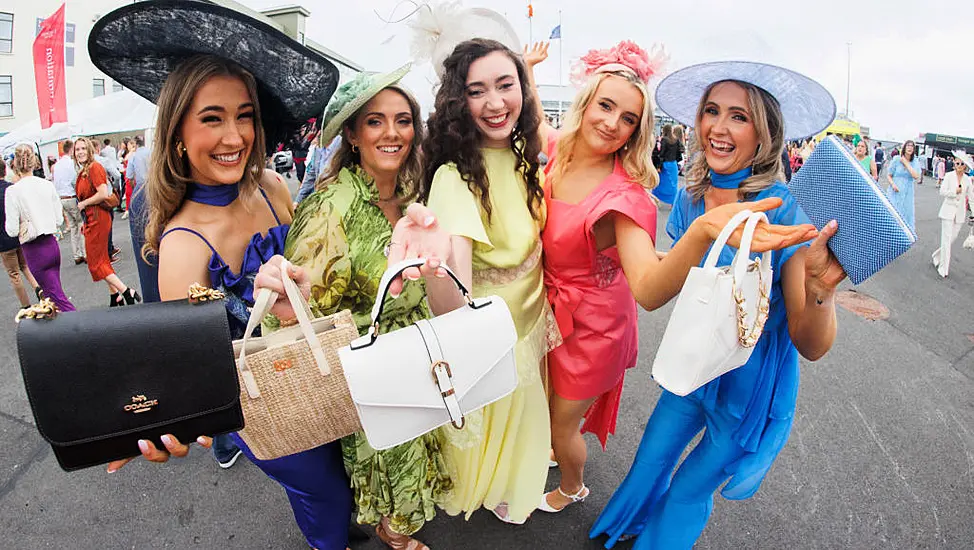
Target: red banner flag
(49, 70)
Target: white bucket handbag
(413, 380)
(719, 315)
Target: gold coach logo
(141, 404)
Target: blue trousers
(670, 512)
(318, 489)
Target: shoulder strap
(198, 234)
(269, 205)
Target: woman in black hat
(215, 214)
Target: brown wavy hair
(168, 171)
(454, 137)
(410, 178)
(83, 168)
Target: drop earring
(355, 148)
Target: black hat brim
(141, 44)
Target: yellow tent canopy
(840, 126)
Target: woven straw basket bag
(292, 388)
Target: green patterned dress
(339, 235)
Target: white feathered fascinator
(438, 27)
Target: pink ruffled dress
(590, 296)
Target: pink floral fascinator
(625, 56)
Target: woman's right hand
(152, 454)
(270, 276)
(766, 236)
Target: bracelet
(284, 323)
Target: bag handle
(725, 234)
(262, 305)
(396, 270)
(748, 336)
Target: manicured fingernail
(201, 440)
(441, 273)
(112, 470)
(428, 221)
(833, 224)
(166, 440)
(143, 445)
(434, 263)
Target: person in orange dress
(92, 190)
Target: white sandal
(577, 497)
(506, 516)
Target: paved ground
(881, 456)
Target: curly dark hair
(454, 137)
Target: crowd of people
(570, 246)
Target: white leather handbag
(719, 315)
(413, 380)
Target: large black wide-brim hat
(141, 44)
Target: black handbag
(100, 380)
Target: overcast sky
(911, 61)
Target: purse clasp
(447, 391)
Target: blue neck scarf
(729, 181)
(213, 195)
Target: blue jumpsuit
(746, 414)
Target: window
(98, 87)
(6, 32)
(116, 87)
(69, 32)
(6, 96)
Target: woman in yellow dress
(485, 191)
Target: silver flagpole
(560, 84)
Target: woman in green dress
(338, 243)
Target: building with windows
(20, 21)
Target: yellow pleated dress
(502, 456)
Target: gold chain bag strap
(292, 386)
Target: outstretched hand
(766, 236)
(536, 53)
(418, 235)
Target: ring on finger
(389, 246)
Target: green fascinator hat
(352, 96)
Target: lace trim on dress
(499, 276)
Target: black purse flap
(96, 374)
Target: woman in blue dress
(215, 213)
(904, 170)
(741, 123)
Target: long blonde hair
(410, 176)
(24, 160)
(634, 155)
(83, 167)
(169, 172)
(769, 125)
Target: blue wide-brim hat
(806, 106)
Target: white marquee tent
(118, 112)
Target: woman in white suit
(955, 188)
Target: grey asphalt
(881, 454)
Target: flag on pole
(530, 11)
(49, 70)
(555, 33)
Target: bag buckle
(438, 369)
(45, 309)
(748, 336)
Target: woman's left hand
(822, 269)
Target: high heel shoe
(397, 541)
(581, 495)
(115, 300)
(131, 296)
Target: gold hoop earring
(180, 149)
(355, 148)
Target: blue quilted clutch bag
(832, 185)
